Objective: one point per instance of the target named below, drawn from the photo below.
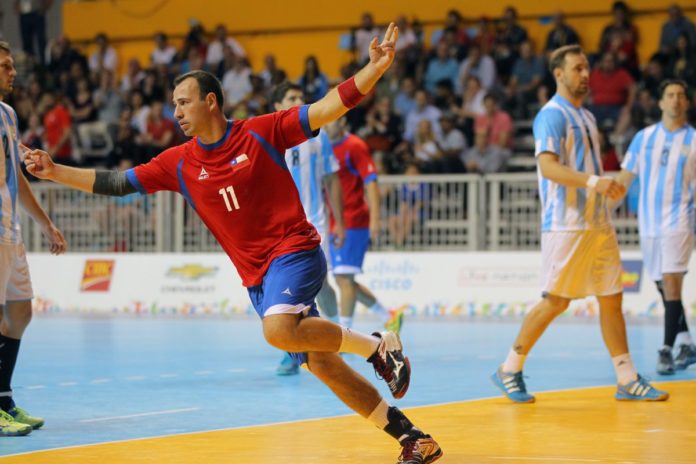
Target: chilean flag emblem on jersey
(239, 161)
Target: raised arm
(113, 183)
(349, 93)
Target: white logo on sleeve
(203, 174)
(287, 292)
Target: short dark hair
(5, 47)
(667, 82)
(280, 90)
(207, 83)
(557, 59)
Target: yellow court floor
(571, 426)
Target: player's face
(191, 111)
(7, 73)
(291, 99)
(575, 75)
(674, 102)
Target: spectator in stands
(215, 54)
(441, 67)
(195, 40)
(476, 64)
(62, 56)
(410, 200)
(612, 89)
(124, 146)
(383, 128)
(81, 105)
(643, 113)
(653, 75)
(151, 87)
(452, 144)
(32, 26)
(405, 100)
(139, 111)
(133, 76)
(674, 27)
(422, 110)
(407, 36)
(484, 158)
(257, 101)
(163, 52)
(471, 106)
(235, 82)
(561, 34)
(682, 63)
(509, 38)
(425, 147)
(158, 136)
(270, 71)
(107, 99)
(485, 35)
(104, 57)
(454, 24)
(362, 37)
(526, 77)
(194, 59)
(495, 123)
(610, 160)
(313, 82)
(621, 37)
(57, 129)
(33, 136)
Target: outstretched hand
(382, 55)
(38, 162)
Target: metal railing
(426, 212)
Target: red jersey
(356, 170)
(56, 122)
(241, 188)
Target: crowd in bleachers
(456, 105)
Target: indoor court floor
(127, 390)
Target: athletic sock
(346, 321)
(674, 310)
(514, 362)
(357, 343)
(625, 370)
(9, 348)
(399, 426)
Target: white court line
(236, 370)
(67, 384)
(143, 414)
(95, 381)
(539, 458)
(168, 376)
(136, 377)
(654, 430)
(35, 387)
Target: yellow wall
(138, 20)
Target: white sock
(346, 321)
(514, 362)
(357, 343)
(625, 370)
(381, 311)
(683, 338)
(379, 415)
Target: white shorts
(15, 281)
(666, 255)
(577, 264)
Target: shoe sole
(494, 379)
(15, 434)
(434, 457)
(651, 400)
(402, 392)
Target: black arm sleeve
(112, 183)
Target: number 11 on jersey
(228, 193)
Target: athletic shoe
(20, 415)
(395, 322)
(390, 363)
(419, 450)
(287, 366)
(640, 390)
(9, 427)
(665, 362)
(512, 385)
(686, 357)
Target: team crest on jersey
(239, 161)
(203, 174)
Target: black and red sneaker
(419, 450)
(390, 363)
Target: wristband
(349, 93)
(592, 181)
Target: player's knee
(279, 332)
(324, 364)
(556, 305)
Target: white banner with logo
(486, 284)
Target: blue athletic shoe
(685, 357)
(512, 385)
(288, 366)
(640, 390)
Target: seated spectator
(485, 35)
(454, 34)
(452, 144)
(362, 36)
(643, 113)
(410, 200)
(423, 110)
(484, 158)
(653, 75)
(624, 35)
(407, 36)
(195, 40)
(151, 88)
(257, 102)
(104, 57)
(134, 74)
(81, 106)
(216, 50)
(163, 52)
(404, 101)
(270, 71)
(383, 127)
(425, 148)
(57, 129)
(479, 65)
(313, 82)
(158, 136)
(611, 90)
(610, 160)
(33, 136)
(444, 98)
(526, 77)
(124, 145)
(235, 82)
(107, 99)
(682, 64)
(674, 27)
(139, 112)
(471, 106)
(441, 67)
(496, 123)
(561, 34)
(62, 56)
(509, 38)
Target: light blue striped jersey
(9, 142)
(309, 163)
(571, 134)
(665, 164)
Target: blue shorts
(349, 258)
(290, 286)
